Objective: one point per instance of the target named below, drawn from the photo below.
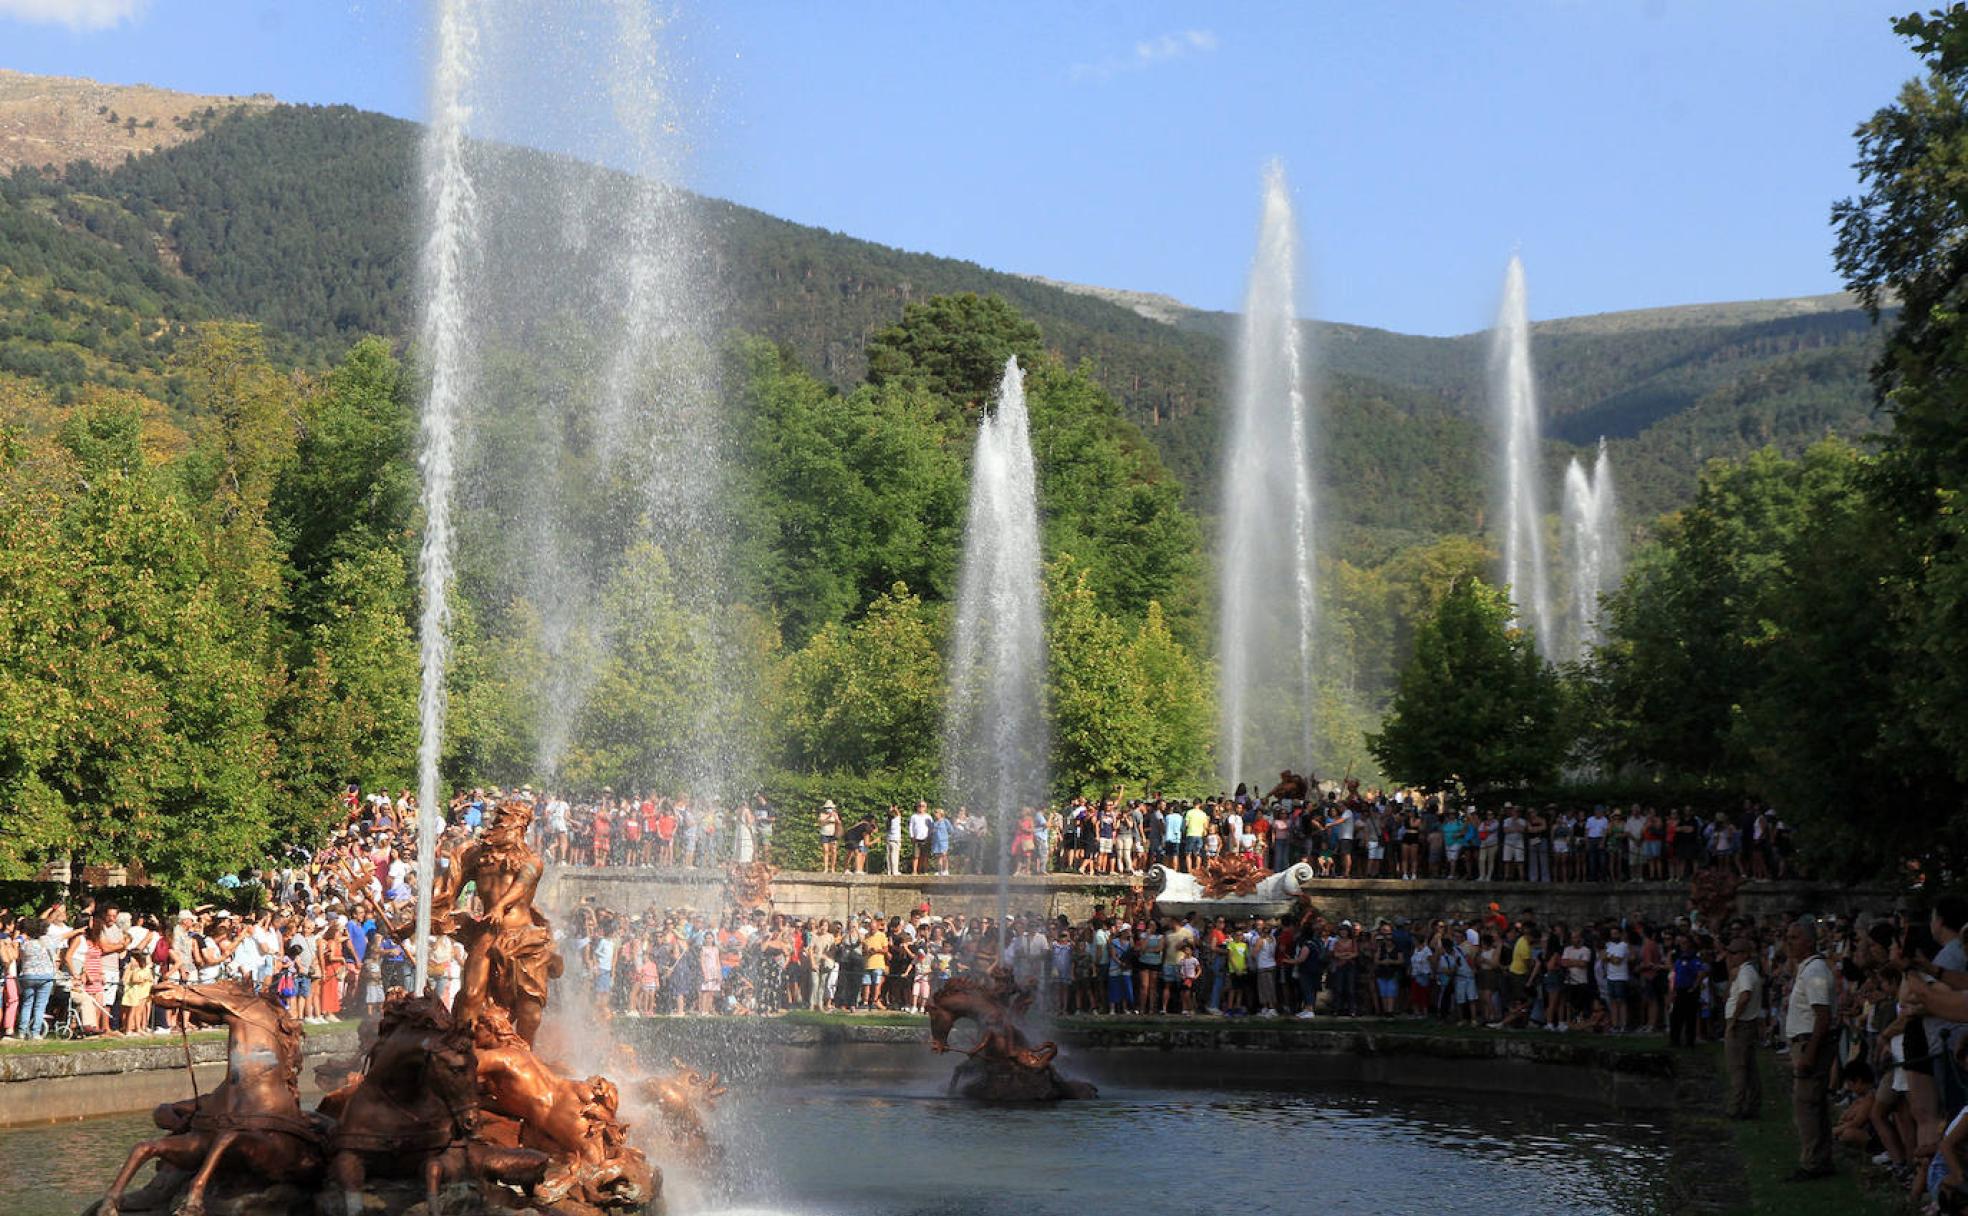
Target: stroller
(67, 1006)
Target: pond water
(826, 1151)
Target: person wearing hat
(1743, 1022)
(829, 822)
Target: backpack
(160, 952)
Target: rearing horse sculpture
(252, 1121)
(1004, 1066)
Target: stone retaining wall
(837, 896)
(1183, 1052)
(50, 1086)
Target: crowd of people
(1340, 830)
(314, 928)
(1868, 1009)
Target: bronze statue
(1004, 1066)
(415, 1112)
(509, 949)
(527, 1105)
(679, 1100)
(750, 884)
(1233, 874)
(436, 1096)
(251, 1122)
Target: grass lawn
(1768, 1148)
(46, 1047)
(39, 1047)
(833, 1017)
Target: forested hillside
(301, 218)
(208, 508)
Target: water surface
(822, 1151)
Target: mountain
(301, 217)
(51, 121)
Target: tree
(350, 486)
(955, 347)
(1685, 629)
(1476, 704)
(845, 495)
(1179, 703)
(350, 711)
(1103, 728)
(134, 702)
(1906, 239)
(867, 698)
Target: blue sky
(1638, 154)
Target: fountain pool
(809, 1149)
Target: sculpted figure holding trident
(509, 948)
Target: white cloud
(1148, 53)
(78, 15)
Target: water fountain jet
(1591, 527)
(995, 732)
(1513, 391)
(1267, 592)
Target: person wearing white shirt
(1617, 956)
(918, 837)
(1743, 1017)
(1596, 825)
(1807, 1026)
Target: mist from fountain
(445, 270)
(653, 422)
(1513, 392)
(994, 727)
(1266, 595)
(1592, 549)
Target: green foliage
(350, 712)
(134, 705)
(1476, 705)
(953, 347)
(1125, 710)
(1688, 623)
(847, 495)
(867, 698)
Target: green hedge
(796, 799)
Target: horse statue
(526, 1104)
(251, 1122)
(1004, 1066)
(414, 1112)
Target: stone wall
(837, 896)
(89, 1080)
(1180, 1052)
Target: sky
(1636, 153)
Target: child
(649, 979)
(138, 975)
(1855, 1125)
(1191, 970)
(372, 981)
(1212, 844)
(282, 983)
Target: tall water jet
(1266, 600)
(652, 424)
(1513, 390)
(1592, 548)
(995, 731)
(444, 270)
